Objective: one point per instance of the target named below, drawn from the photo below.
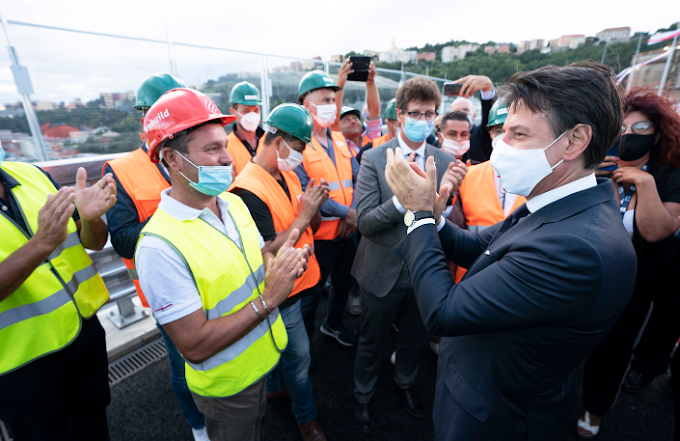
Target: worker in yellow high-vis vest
(53, 364)
(206, 272)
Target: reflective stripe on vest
(41, 307)
(237, 348)
(237, 296)
(221, 269)
(239, 152)
(318, 165)
(42, 315)
(479, 198)
(72, 239)
(143, 182)
(284, 210)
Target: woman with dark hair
(647, 181)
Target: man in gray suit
(386, 291)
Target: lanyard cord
(625, 198)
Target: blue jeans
(179, 384)
(293, 368)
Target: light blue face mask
(418, 130)
(2, 154)
(212, 181)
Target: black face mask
(633, 147)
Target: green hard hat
(154, 86)
(313, 80)
(292, 119)
(246, 94)
(391, 109)
(347, 109)
(498, 113)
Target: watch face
(409, 217)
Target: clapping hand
(282, 271)
(92, 202)
(415, 190)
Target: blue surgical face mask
(418, 130)
(212, 181)
(2, 154)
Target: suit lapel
(555, 212)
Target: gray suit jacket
(376, 268)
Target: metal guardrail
(108, 263)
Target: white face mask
(520, 170)
(291, 162)
(325, 114)
(250, 121)
(496, 140)
(457, 149)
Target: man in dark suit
(386, 292)
(480, 141)
(543, 287)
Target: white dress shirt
(540, 201)
(420, 160)
(535, 203)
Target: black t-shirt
(260, 211)
(259, 132)
(657, 262)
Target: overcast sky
(65, 65)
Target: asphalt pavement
(143, 406)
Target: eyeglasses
(637, 127)
(429, 116)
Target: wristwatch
(410, 217)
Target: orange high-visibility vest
(481, 206)
(283, 210)
(319, 165)
(144, 183)
(382, 140)
(239, 152)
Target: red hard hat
(175, 111)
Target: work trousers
(61, 396)
(399, 306)
(236, 418)
(337, 257)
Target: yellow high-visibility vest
(43, 315)
(228, 277)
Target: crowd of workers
(230, 237)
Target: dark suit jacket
(534, 303)
(480, 140)
(376, 268)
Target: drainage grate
(136, 361)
